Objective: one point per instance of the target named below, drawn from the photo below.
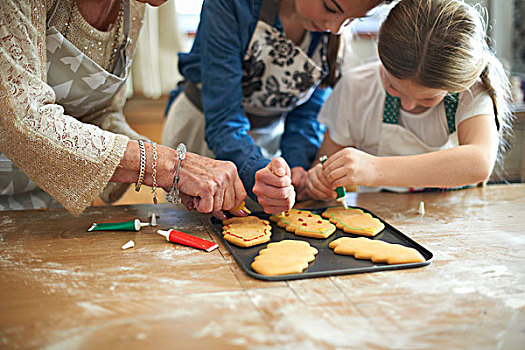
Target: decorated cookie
(284, 257)
(353, 220)
(246, 231)
(377, 251)
(304, 223)
(339, 210)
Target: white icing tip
(153, 219)
(342, 200)
(129, 244)
(164, 233)
(421, 210)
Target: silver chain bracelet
(154, 175)
(173, 195)
(142, 165)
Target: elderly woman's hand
(205, 184)
(213, 185)
(273, 187)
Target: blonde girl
(431, 114)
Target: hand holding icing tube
(341, 192)
(188, 240)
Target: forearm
(111, 118)
(458, 166)
(129, 167)
(206, 184)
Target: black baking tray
(326, 262)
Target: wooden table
(65, 288)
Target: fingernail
(243, 213)
(220, 215)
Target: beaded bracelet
(142, 165)
(173, 195)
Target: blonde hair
(442, 44)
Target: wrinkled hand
(273, 187)
(299, 178)
(318, 185)
(209, 185)
(205, 184)
(350, 167)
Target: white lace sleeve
(70, 160)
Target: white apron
(395, 140)
(278, 76)
(80, 86)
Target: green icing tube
(132, 225)
(341, 192)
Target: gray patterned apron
(278, 76)
(80, 86)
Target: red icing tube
(187, 239)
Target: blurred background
(171, 27)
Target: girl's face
(415, 98)
(331, 15)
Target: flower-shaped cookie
(284, 257)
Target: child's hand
(350, 167)
(318, 185)
(273, 187)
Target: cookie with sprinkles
(304, 223)
(246, 231)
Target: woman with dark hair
(256, 77)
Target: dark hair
(334, 58)
(334, 61)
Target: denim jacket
(215, 60)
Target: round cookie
(246, 231)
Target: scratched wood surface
(62, 287)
